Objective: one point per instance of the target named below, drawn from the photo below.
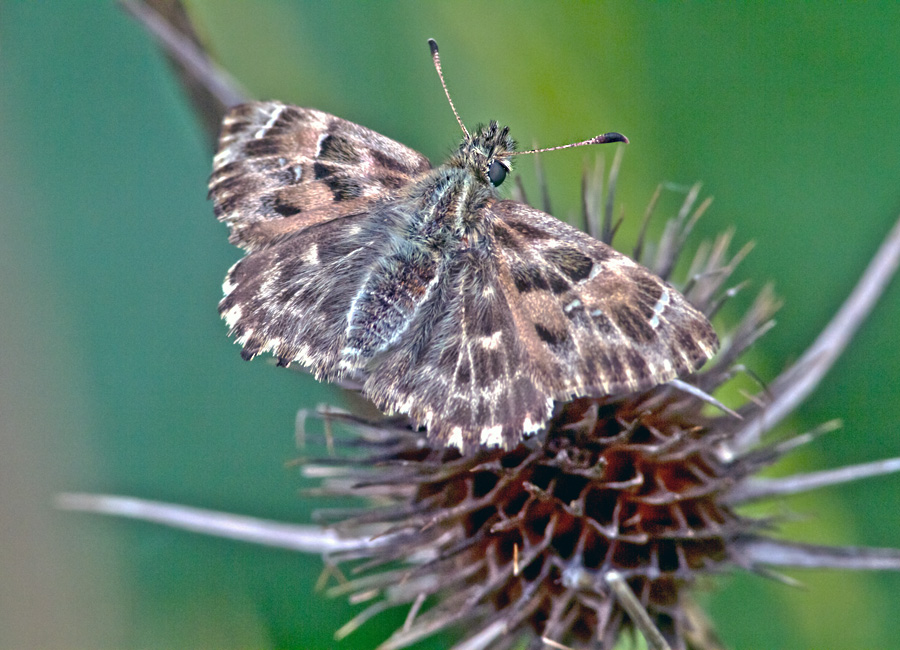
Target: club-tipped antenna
(437, 65)
(598, 139)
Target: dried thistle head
(576, 535)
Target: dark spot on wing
(336, 148)
(616, 367)
(289, 266)
(389, 162)
(529, 278)
(558, 284)
(341, 187)
(505, 238)
(688, 343)
(571, 262)
(321, 171)
(527, 230)
(650, 287)
(284, 208)
(637, 363)
(632, 323)
(288, 117)
(482, 318)
(344, 188)
(262, 147)
(549, 337)
(391, 182)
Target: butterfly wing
(461, 370)
(541, 312)
(298, 188)
(594, 321)
(280, 169)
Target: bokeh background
(115, 372)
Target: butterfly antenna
(437, 65)
(599, 139)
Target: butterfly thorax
(450, 200)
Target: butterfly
(469, 313)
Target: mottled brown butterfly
(469, 313)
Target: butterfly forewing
(282, 168)
(593, 321)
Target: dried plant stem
(211, 89)
(306, 539)
(772, 552)
(758, 489)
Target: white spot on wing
(530, 427)
(659, 308)
(455, 439)
(491, 436)
(708, 351)
(241, 340)
(575, 304)
(491, 342)
(268, 125)
(319, 144)
(302, 355)
(227, 285)
(311, 255)
(233, 315)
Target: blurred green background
(115, 372)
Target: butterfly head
(486, 154)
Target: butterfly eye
(496, 173)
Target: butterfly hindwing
(291, 298)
